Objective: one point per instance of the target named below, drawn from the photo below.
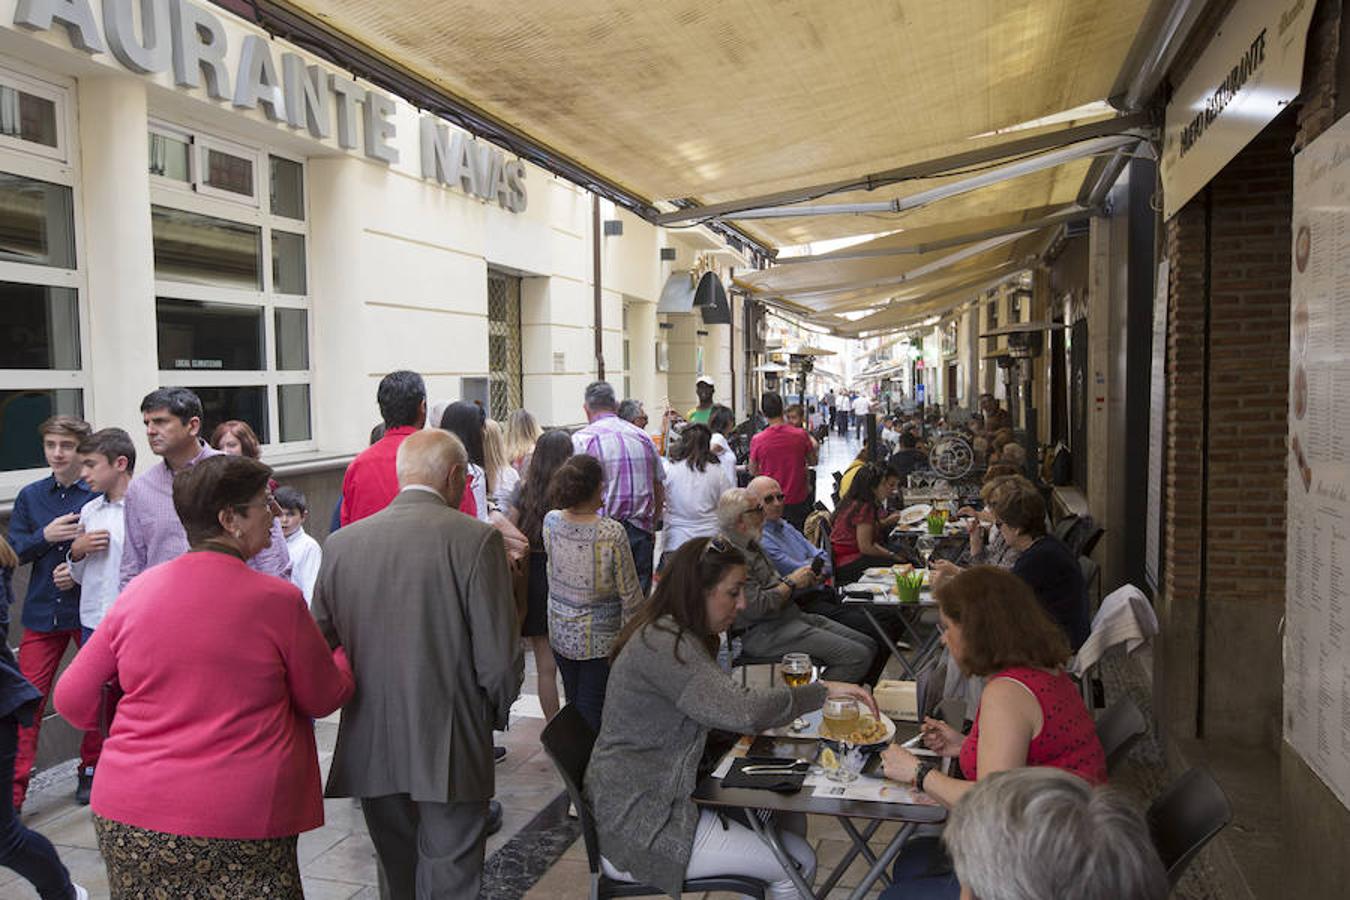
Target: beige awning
(715, 102)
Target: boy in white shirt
(305, 551)
(95, 557)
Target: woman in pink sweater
(222, 669)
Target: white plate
(886, 571)
(912, 515)
(861, 587)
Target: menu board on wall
(1157, 415)
(1316, 645)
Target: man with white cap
(704, 388)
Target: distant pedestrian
(784, 452)
(236, 438)
(634, 495)
(704, 387)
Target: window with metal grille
(505, 391)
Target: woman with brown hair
(593, 585)
(1031, 712)
(667, 693)
(210, 772)
(237, 439)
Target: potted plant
(909, 585)
(937, 521)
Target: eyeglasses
(269, 503)
(755, 510)
(775, 498)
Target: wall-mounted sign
(1247, 75)
(192, 43)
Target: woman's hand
(943, 568)
(858, 692)
(967, 511)
(891, 520)
(941, 738)
(899, 764)
(976, 531)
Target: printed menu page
(1316, 662)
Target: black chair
(1064, 526)
(1119, 728)
(1090, 541)
(568, 741)
(1185, 818)
(1092, 575)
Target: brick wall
(1228, 357)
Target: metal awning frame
(1140, 124)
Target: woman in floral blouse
(592, 583)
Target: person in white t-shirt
(861, 407)
(306, 554)
(94, 562)
(694, 484)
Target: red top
(467, 504)
(844, 532)
(780, 452)
(223, 668)
(371, 481)
(1068, 738)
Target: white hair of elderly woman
(1035, 833)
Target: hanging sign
(1245, 78)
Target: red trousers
(40, 654)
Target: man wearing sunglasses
(771, 623)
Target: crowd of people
(456, 540)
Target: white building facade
(188, 201)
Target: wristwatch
(921, 772)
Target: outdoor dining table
(761, 804)
(925, 645)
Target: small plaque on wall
(559, 362)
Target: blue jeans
(913, 878)
(26, 852)
(643, 545)
(584, 682)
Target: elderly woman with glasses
(209, 772)
(667, 693)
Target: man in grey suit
(419, 594)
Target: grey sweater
(658, 711)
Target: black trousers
(427, 850)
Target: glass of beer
(841, 717)
(796, 669)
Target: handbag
(109, 695)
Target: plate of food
(865, 731)
(887, 571)
(862, 587)
(914, 515)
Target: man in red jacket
(371, 482)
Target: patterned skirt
(152, 865)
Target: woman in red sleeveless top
(1031, 713)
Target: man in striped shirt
(634, 493)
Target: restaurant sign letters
(154, 37)
(1247, 75)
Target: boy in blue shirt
(44, 524)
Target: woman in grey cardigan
(665, 692)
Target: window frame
(59, 165)
(60, 95)
(203, 199)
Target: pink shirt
(780, 451)
(223, 667)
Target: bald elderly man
(771, 623)
(420, 596)
(789, 550)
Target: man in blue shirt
(44, 523)
(789, 550)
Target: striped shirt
(632, 468)
(154, 533)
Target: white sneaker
(80, 893)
